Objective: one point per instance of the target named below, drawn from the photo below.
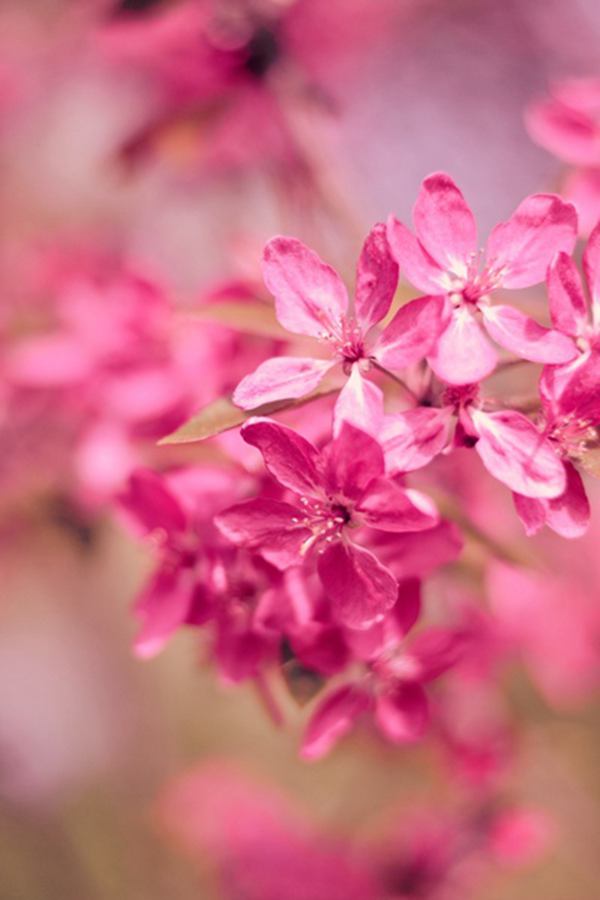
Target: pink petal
(151, 506)
(360, 403)
(591, 268)
(579, 394)
(388, 507)
(334, 717)
(360, 588)
(280, 378)
(524, 246)
(582, 188)
(415, 263)
(289, 457)
(568, 515)
(351, 461)
(269, 526)
(163, 608)
(444, 223)
(435, 651)
(568, 133)
(412, 333)
(565, 294)
(376, 279)
(402, 713)
(52, 361)
(462, 354)
(310, 297)
(412, 439)
(514, 452)
(523, 336)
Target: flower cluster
(315, 567)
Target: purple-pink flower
(337, 490)
(442, 258)
(311, 299)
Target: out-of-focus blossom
(443, 258)
(567, 124)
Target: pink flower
(392, 689)
(443, 259)
(340, 489)
(567, 124)
(509, 445)
(311, 299)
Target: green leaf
(222, 415)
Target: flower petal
(412, 439)
(151, 506)
(388, 507)
(360, 403)
(523, 336)
(310, 297)
(568, 515)
(591, 268)
(565, 294)
(360, 588)
(270, 526)
(334, 717)
(540, 227)
(376, 279)
(402, 713)
(514, 452)
(462, 354)
(280, 378)
(444, 223)
(412, 333)
(351, 461)
(416, 265)
(163, 607)
(569, 133)
(289, 457)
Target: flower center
(574, 435)
(326, 521)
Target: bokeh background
(89, 735)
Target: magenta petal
(524, 246)
(163, 608)
(333, 718)
(360, 588)
(462, 354)
(310, 297)
(524, 337)
(269, 526)
(49, 361)
(280, 378)
(568, 515)
(376, 279)
(565, 294)
(388, 507)
(568, 133)
(591, 267)
(351, 461)
(412, 439)
(514, 452)
(360, 403)
(435, 651)
(289, 457)
(402, 713)
(412, 333)
(444, 223)
(416, 265)
(151, 506)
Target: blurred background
(135, 151)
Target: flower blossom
(567, 124)
(340, 489)
(509, 445)
(311, 299)
(442, 259)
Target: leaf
(222, 415)
(246, 316)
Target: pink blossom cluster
(315, 565)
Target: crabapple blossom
(340, 489)
(311, 299)
(442, 258)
